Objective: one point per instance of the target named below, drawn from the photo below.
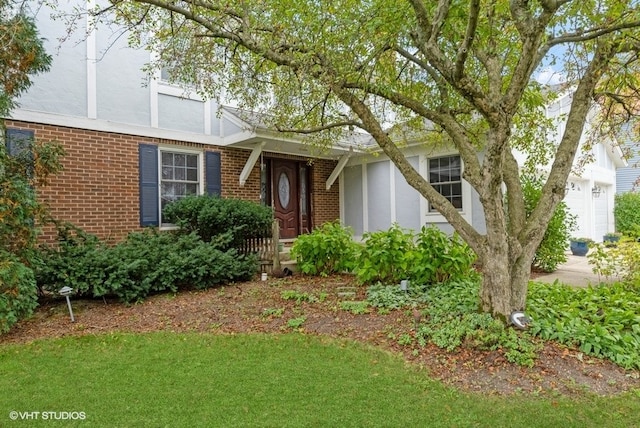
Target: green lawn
(193, 380)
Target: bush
(621, 261)
(440, 258)
(77, 261)
(431, 257)
(18, 293)
(211, 217)
(552, 250)
(386, 257)
(626, 211)
(19, 207)
(145, 262)
(328, 249)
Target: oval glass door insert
(284, 190)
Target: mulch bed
(257, 307)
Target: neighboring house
(590, 191)
(374, 194)
(628, 177)
(134, 144)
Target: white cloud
(549, 76)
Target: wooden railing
(265, 246)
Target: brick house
(135, 143)
(112, 184)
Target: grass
(191, 380)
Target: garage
(601, 212)
(576, 201)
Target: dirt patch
(256, 307)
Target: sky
(548, 76)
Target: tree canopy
(456, 72)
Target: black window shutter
(213, 173)
(149, 194)
(18, 140)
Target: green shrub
(19, 207)
(18, 292)
(387, 256)
(552, 250)
(211, 217)
(440, 258)
(77, 260)
(431, 257)
(603, 321)
(621, 261)
(626, 211)
(144, 263)
(328, 249)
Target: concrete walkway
(576, 271)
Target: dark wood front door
(286, 197)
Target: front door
(285, 197)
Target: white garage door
(576, 202)
(601, 214)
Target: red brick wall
(232, 161)
(326, 204)
(98, 188)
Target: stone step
(285, 255)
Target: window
(19, 144)
(167, 175)
(164, 75)
(19, 141)
(445, 175)
(180, 176)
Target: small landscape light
(66, 292)
(519, 320)
(404, 284)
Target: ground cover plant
(203, 379)
(603, 321)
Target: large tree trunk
(505, 278)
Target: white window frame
(180, 150)
(435, 216)
(429, 208)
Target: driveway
(576, 271)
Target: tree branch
(371, 125)
(553, 189)
(465, 46)
(317, 129)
